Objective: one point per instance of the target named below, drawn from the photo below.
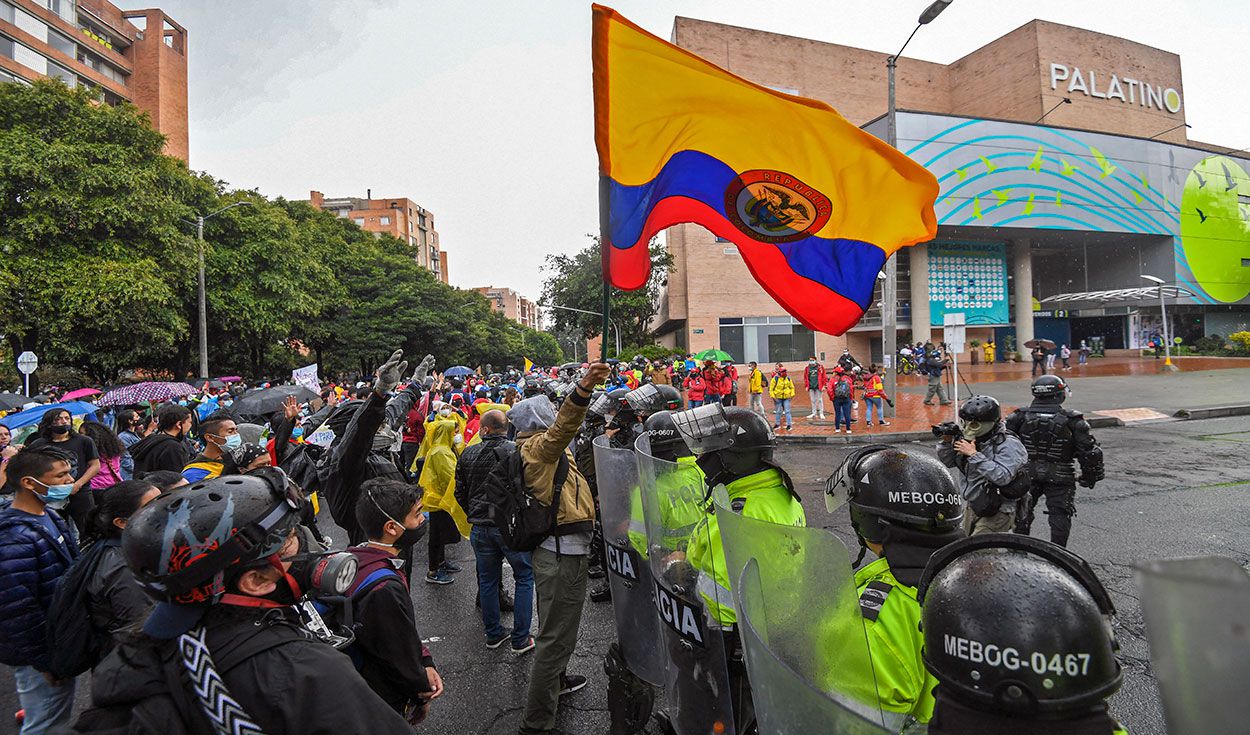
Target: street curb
(904, 437)
(1212, 412)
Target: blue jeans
(490, 552)
(46, 705)
(842, 412)
(694, 403)
(782, 406)
(870, 404)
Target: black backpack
(74, 644)
(841, 389)
(523, 521)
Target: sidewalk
(1103, 383)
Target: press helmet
(886, 486)
(979, 416)
(666, 442)
(730, 443)
(651, 398)
(1018, 626)
(181, 544)
(1049, 389)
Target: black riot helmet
(1018, 627)
(623, 415)
(651, 398)
(979, 416)
(666, 442)
(1049, 389)
(885, 486)
(730, 443)
(181, 544)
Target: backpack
(841, 389)
(522, 520)
(383, 572)
(300, 463)
(74, 644)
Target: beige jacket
(540, 451)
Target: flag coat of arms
(814, 204)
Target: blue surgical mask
(57, 494)
(297, 432)
(233, 441)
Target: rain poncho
(438, 475)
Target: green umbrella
(717, 355)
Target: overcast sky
(481, 112)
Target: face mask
(409, 537)
(297, 432)
(232, 441)
(444, 412)
(57, 494)
(972, 429)
(60, 429)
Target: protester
(56, 429)
(414, 434)
(874, 396)
(165, 480)
(711, 382)
(475, 465)
(393, 660)
(990, 350)
(115, 599)
(695, 388)
(755, 388)
(1065, 354)
(1039, 360)
(439, 453)
(729, 384)
(111, 451)
(7, 451)
(165, 448)
(781, 389)
(1050, 359)
(131, 428)
(37, 546)
(814, 379)
(221, 435)
(1082, 353)
(543, 439)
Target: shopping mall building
(1049, 212)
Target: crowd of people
(177, 551)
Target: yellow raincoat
(438, 474)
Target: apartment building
(512, 304)
(396, 216)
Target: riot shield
(696, 686)
(799, 617)
(625, 539)
(1197, 615)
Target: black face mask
(411, 536)
(60, 429)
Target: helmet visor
(838, 487)
(603, 405)
(705, 429)
(644, 398)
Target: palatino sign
(1099, 84)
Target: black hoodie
(159, 451)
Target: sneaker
(883, 423)
(449, 567)
(838, 430)
(822, 417)
(528, 646)
(570, 683)
(848, 431)
(811, 416)
(439, 577)
(789, 428)
(867, 423)
(947, 403)
(496, 642)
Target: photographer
(990, 459)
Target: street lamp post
(202, 296)
(611, 323)
(1163, 316)
(889, 289)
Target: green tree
(576, 281)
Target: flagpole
(605, 244)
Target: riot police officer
(903, 507)
(733, 447)
(1018, 633)
(1054, 436)
(650, 398)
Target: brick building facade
(512, 304)
(1117, 157)
(396, 216)
(138, 56)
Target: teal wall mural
(968, 277)
(1001, 174)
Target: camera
(947, 428)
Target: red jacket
(833, 383)
(873, 387)
(695, 387)
(821, 378)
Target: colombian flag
(814, 204)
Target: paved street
(1175, 488)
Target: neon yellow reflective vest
(679, 518)
(904, 685)
(767, 499)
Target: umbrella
(717, 355)
(32, 415)
(80, 393)
(151, 392)
(231, 379)
(10, 401)
(458, 371)
(214, 383)
(1045, 344)
(266, 401)
(251, 433)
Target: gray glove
(391, 372)
(423, 369)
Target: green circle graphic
(1215, 234)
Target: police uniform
(892, 622)
(1054, 436)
